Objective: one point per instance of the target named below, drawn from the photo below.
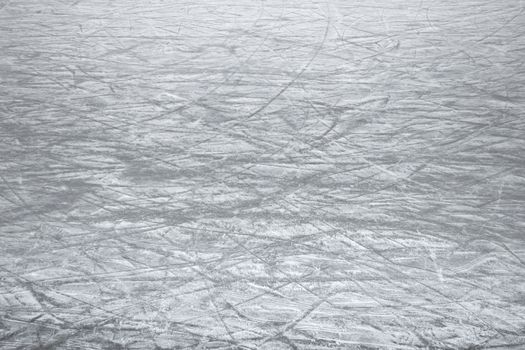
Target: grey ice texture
(262, 174)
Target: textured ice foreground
(262, 174)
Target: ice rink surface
(262, 174)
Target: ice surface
(262, 174)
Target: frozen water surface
(262, 174)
